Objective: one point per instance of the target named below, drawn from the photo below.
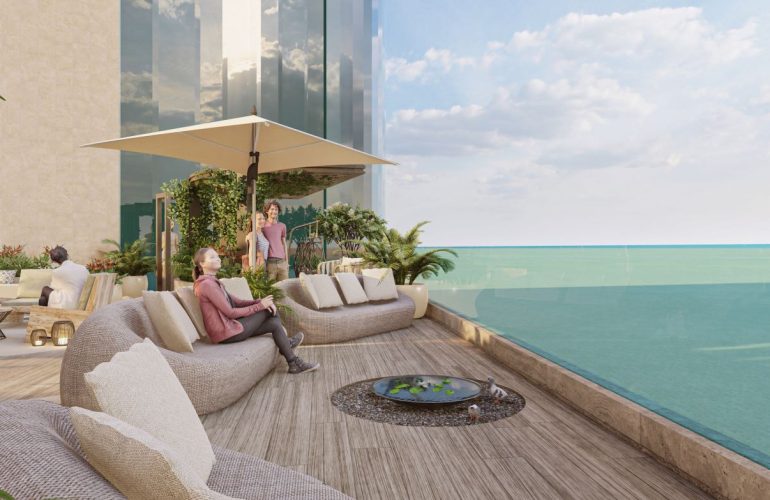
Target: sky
(578, 123)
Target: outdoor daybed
(347, 322)
(41, 457)
(214, 376)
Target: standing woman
(229, 319)
(278, 260)
(263, 245)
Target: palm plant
(399, 252)
(130, 260)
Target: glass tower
(309, 64)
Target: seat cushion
(321, 290)
(134, 461)
(237, 287)
(139, 387)
(192, 306)
(351, 288)
(171, 321)
(32, 281)
(379, 284)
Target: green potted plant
(399, 252)
(132, 264)
(348, 227)
(13, 260)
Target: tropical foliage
(262, 286)
(207, 211)
(399, 252)
(14, 258)
(349, 227)
(131, 259)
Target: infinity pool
(683, 331)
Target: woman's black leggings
(260, 323)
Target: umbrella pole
(254, 161)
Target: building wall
(61, 77)
(195, 61)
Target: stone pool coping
(716, 469)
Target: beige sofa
(340, 324)
(40, 457)
(27, 291)
(214, 376)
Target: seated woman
(230, 319)
(67, 282)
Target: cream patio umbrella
(246, 145)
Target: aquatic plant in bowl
(426, 389)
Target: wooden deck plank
(547, 451)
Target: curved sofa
(214, 376)
(41, 458)
(340, 324)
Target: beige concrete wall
(60, 74)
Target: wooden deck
(546, 451)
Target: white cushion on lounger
(379, 284)
(351, 288)
(321, 289)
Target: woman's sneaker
(298, 365)
(296, 340)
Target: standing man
(278, 258)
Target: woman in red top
(230, 319)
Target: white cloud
(434, 62)
(403, 70)
(536, 110)
(674, 35)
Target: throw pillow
(321, 290)
(351, 288)
(32, 281)
(351, 261)
(237, 287)
(135, 462)
(170, 320)
(191, 304)
(379, 284)
(138, 387)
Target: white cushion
(32, 281)
(379, 284)
(138, 387)
(237, 287)
(351, 288)
(170, 320)
(350, 261)
(136, 463)
(321, 290)
(192, 305)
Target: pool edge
(714, 468)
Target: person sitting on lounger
(67, 281)
(230, 319)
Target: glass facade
(309, 64)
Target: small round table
(4, 312)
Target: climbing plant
(207, 211)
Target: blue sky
(603, 122)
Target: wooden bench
(97, 292)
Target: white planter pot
(7, 277)
(419, 294)
(117, 293)
(133, 286)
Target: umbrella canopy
(239, 143)
(228, 144)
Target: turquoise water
(681, 330)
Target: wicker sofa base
(41, 458)
(340, 324)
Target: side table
(4, 312)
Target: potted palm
(132, 264)
(399, 252)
